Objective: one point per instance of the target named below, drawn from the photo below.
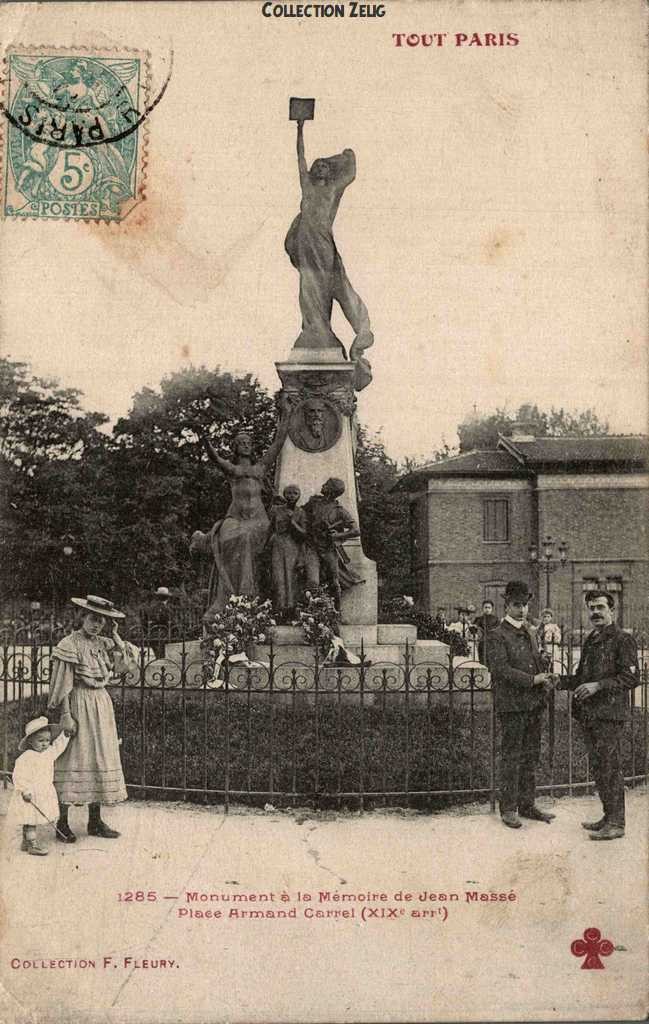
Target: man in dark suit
(520, 688)
(486, 623)
(607, 672)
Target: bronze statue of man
(328, 526)
(312, 251)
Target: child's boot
(29, 844)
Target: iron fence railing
(420, 731)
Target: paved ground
(490, 960)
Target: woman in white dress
(90, 770)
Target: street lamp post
(545, 559)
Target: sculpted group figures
(288, 530)
(329, 525)
(312, 251)
(236, 542)
(306, 544)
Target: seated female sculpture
(238, 540)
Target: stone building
(478, 519)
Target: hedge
(293, 751)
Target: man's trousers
(603, 737)
(519, 755)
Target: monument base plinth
(359, 603)
(287, 635)
(315, 452)
(352, 635)
(309, 356)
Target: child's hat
(35, 725)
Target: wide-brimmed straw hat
(36, 725)
(98, 605)
(163, 592)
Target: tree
(193, 400)
(126, 505)
(384, 516)
(40, 420)
(481, 431)
(164, 487)
(47, 445)
(46, 515)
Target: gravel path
(358, 950)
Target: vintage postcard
(324, 629)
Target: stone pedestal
(353, 635)
(295, 676)
(332, 455)
(323, 378)
(359, 604)
(190, 651)
(397, 633)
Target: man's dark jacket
(610, 658)
(486, 625)
(487, 622)
(514, 660)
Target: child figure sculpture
(288, 530)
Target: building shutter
(496, 519)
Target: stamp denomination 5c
(74, 137)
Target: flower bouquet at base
(230, 632)
(320, 622)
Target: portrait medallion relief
(315, 425)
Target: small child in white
(34, 800)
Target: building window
(495, 519)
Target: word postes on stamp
(74, 140)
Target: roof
(491, 463)
(627, 452)
(526, 458)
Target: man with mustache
(606, 674)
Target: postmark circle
(77, 102)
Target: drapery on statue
(288, 530)
(237, 541)
(312, 251)
(328, 526)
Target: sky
(496, 229)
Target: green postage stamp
(74, 133)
